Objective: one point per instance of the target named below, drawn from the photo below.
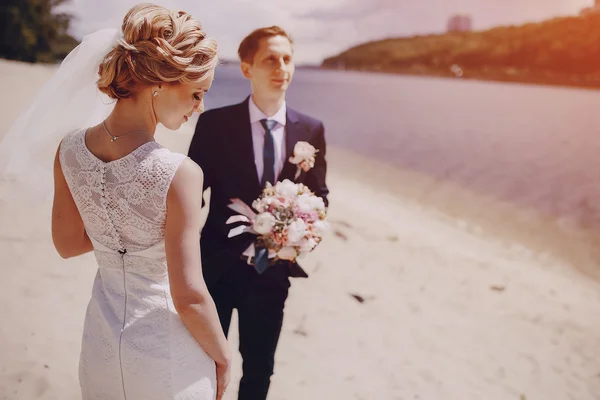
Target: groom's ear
(245, 67)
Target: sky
(322, 28)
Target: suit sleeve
(202, 152)
(316, 177)
(199, 149)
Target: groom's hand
(206, 209)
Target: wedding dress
(135, 346)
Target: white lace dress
(135, 346)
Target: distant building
(591, 10)
(462, 23)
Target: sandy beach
(445, 295)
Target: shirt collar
(256, 114)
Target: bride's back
(123, 201)
(99, 143)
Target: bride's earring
(155, 93)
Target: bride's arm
(182, 241)
(68, 232)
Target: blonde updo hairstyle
(158, 46)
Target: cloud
(228, 21)
(321, 29)
(337, 14)
(350, 10)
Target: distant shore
(559, 52)
(499, 75)
(506, 75)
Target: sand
(412, 296)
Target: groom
(240, 148)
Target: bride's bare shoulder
(188, 173)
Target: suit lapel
(294, 132)
(246, 167)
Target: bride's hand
(223, 378)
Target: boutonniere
(304, 157)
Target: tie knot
(268, 124)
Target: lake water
(533, 146)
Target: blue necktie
(261, 253)
(268, 153)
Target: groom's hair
(249, 45)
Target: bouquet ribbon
(256, 249)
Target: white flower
(304, 203)
(320, 228)
(286, 188)
(307, 203)
(277, 201)
(287, 253)
(308, 245)
(263, 224)
(317, 203)
(303, 151)
(259, 206)
(296, 231)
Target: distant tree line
(563, 49)
(34, 30)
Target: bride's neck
(132, 115)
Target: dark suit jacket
(222, 146)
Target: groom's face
(273, 66)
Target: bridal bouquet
(287, 219)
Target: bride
(151, 329)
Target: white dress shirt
(258, 137)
